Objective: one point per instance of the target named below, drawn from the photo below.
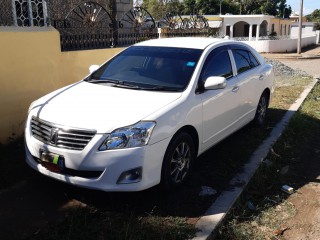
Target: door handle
(235, 89)
(261, 77)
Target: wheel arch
(193, 133)
(268, 93)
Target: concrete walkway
(308, 60)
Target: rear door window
(244, 60)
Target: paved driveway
(311, 66)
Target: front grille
(59, 136)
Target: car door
(220, 108)
(249, 78)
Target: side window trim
(233, 63)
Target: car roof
(184, 42)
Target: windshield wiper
(116, 83)
(163, 88)
(122, 84)
(126, 85)
(102, 81)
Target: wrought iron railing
(86, 41)
(124, 39)
(274, 37)
(185, 33)
(262, 38)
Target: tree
(189, 6)
(158, 8)
(315, 15)
(208, 6)
(204, 7)
(269, 7)
(283, 9)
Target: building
(250, 27)
(255, 27)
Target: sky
(308, 5)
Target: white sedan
(144, 116)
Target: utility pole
(300, 27)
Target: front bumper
(108, 164)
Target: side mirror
(93, 68)
(213, 83)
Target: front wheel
(261, 111)
(177, 161)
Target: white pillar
(250, 32)
(258, 32)
(231, 31)
(160, 32)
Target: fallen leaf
(274, 153)
(281, 231)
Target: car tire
(261, 112)
(177, 162)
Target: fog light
(130, 176)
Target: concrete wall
(281, 46)
(307, 29)
(31, 65)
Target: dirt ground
(305, 225)
(306, 200)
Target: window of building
(281, 30)
(272, 28)
(228, 31)
(29, 12)
(285, 29)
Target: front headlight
(128, 137)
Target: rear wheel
(177, 162)
(261, 111)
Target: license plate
(52, 161)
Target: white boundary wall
(281, 46)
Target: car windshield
(149, 68)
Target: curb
(305, 57)
(219, 209)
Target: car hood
(99, 107)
